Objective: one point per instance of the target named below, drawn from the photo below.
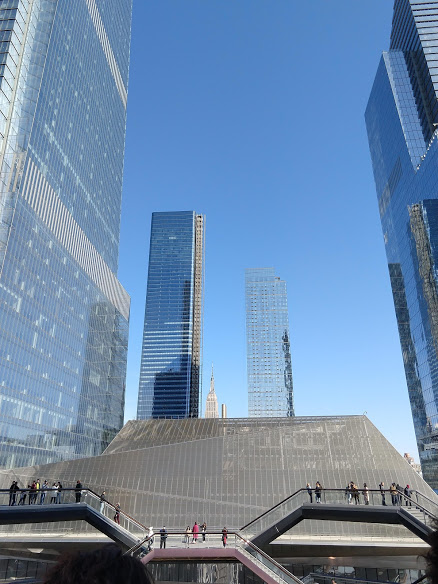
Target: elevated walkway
(415, 513)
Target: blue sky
(251, 112)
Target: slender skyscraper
(402, 119)
(270, 387)
(63, 313)
(211, 407)
(170, 368)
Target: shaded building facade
(269, 366)
(63, 312)
(401, 119)
(170, 370)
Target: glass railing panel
(261, 557)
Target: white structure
(211, 407)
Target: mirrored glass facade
(63, 313)
(401, 119)
(170, 368)
(269, 365)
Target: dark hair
(105, 565)
(432, 557)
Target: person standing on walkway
(78, 491)
(348, 492)
(151, 539)
(382, 492)
(59, 493)
(44, 488)
(408, 493)
(399, 494)
(117, 514)
(366, 494)
(188, 532)
(23, 496)
(318, 489)
(54, 490)
(203, 531)
(309, 490)
(224, 536)
(355, 493)
(394, 494)
(102, 502)
(163, 537)
(195, 531)
(32, 493)
(13, 493)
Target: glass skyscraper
(402, 121)
(269, 366)
(170, 369)
(63, 313)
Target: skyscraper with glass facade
(63, 313)
(170, 370)
(269, 366)
(402, 121)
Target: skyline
(234, 113)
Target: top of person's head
(106, 565)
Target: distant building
(270, 386)
(411, 461)
(170, 368)
(224, 410)
(211, 408)
(401, 119)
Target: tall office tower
(63, 313)
(211, 407)
(270, 387)
(402, 118)
(170, 371)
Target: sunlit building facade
(402, 118)
(170, 370)
(211, 405)
(63, 313)
(269, 366)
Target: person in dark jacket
(309, 490)
(78, 491)
(13, 493)
(318, 489)
(408, 493)
(163, 537)
(117, 513)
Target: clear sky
(252, 113)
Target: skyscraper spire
(211, 407)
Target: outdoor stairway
(275, 571)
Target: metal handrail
(236, 534)
(353, 580)
(425, 497)
(360, 490)
(271, 560)
(72, 489)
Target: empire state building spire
(211, 408)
